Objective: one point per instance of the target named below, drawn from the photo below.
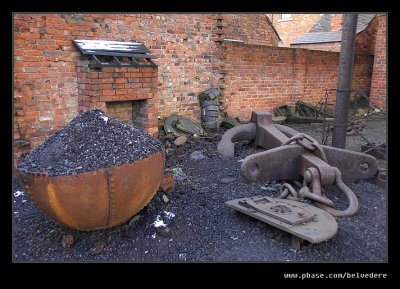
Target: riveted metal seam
(111, 198)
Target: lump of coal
(91, 141)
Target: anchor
(295, 156)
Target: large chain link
(308, 143)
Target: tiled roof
(319, 33)
(363, 21)
(319, 37)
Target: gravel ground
(193, 224)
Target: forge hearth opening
(127, 93)
(133, 112)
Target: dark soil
(91, 141)
(192, 223)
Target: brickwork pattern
(260, 77)
(113, 84)
(121, 110)
(378, 83)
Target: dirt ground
(199, 227)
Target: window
(285, 17)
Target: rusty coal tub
(97, 199)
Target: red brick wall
(45, 58)
(378, 85)
(121, 110)
(365, 40)
(45, 85)
(293, 29)
(259, 77)
(336, 22)
(96, 88)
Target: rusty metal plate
(320, 227)
(292, 215)
(99, 199)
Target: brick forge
(126, 93)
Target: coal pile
(90, 142)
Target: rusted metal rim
(98, 199)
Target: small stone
(67, 241)
(167, 144)
(167, 184)
(227, 180)
(264, 188)
(114, 122)
(181, 140)
(165, 198)
(360, 112)
(98, 248)
(169, 136)
(197, 155)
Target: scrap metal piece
(304, 113)
(229, 122)
(98, 199)
(279, 119)
(299, 219)
(179, 125)
(308, 110)
(376, 150)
